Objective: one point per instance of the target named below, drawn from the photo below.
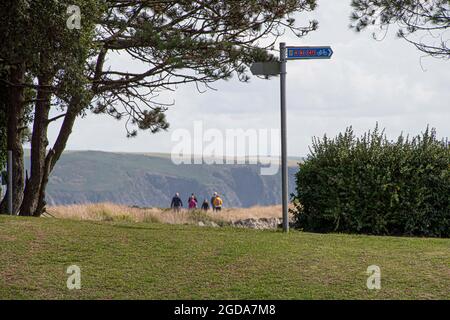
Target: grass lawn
(160, 261)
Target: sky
(365, 82)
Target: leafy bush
(375, 186)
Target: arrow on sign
(294, 53)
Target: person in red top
(192, 203)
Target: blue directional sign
(294, 53)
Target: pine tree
(423, 23)
(175, 42)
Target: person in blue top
(176, 203)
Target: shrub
(375, 186)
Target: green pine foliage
(375, 186)
(418, 22)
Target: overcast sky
(365, 82)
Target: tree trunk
(55, 153)
(41, 201)
(15, 113)
(39, 143)
(73, 110)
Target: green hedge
(374, 186)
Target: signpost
(284, 172)
(265, 68)
(275, 68)
(296, 53)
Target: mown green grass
(157, 261)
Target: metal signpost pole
(10, 183)
(284, 173)
(275, 68)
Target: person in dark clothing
(176, 203)
(205, 205)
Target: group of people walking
(216, 203)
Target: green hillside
(157, 261)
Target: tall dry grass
(114, 212)
(256, 212)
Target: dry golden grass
(256, 212)
(114, 212)
(103, 212)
